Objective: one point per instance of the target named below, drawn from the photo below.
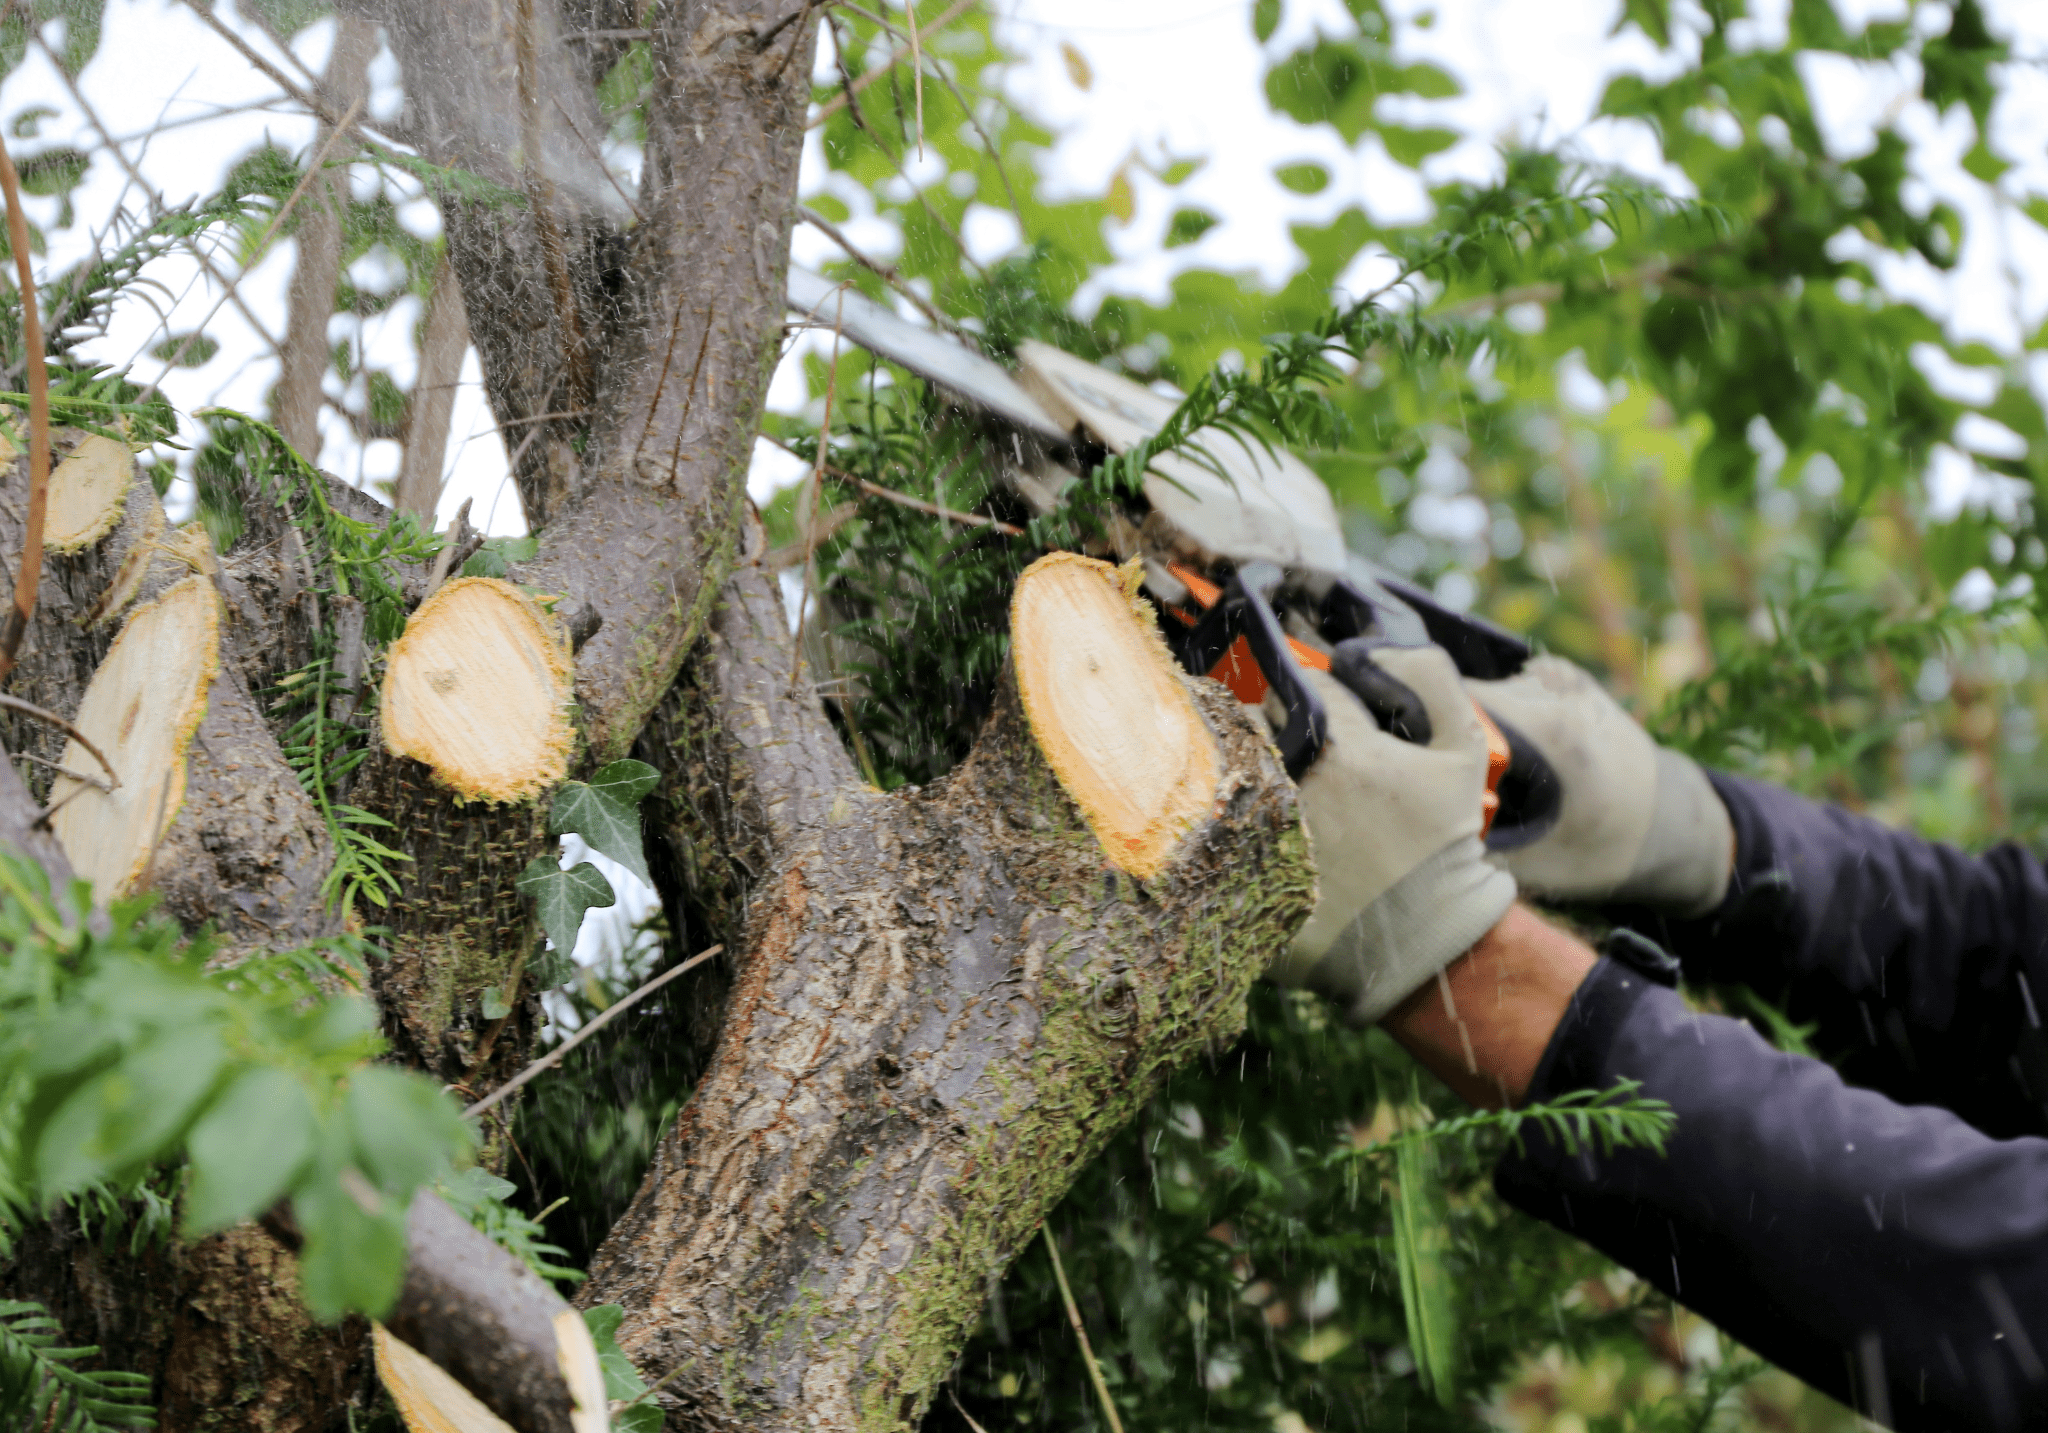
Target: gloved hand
(1405, 887)
(1638, 822)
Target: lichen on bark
(950, 1004)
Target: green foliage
(480, 1197)
(561, 897)
(1421, 1243)
(42, 1389)
(606, 811)
(622, 1382)
(120, 1050)
(1682, 442)
(356, 558)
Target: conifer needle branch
(28, 572)
(1116, 1424)
(597, 1022)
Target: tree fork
(952, 1000)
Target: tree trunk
(936, 1005)
(444, 344)
(304, 354)
(950, 1001)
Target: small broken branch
(597, 1022)
(43, 714)
(28, 572)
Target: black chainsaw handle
(1531, 798)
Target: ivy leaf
(550, 968)
(606, 813)
(626, 782)
(561, 897)
(622, 1382)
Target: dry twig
(838, 102)
(597, 1022)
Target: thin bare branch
(44, 714)
(838, 102)
(598, 160)
(313, 171)
(135, 177)
(887, 272)
(555, 1056)
(1116, 1424)
(966, 519)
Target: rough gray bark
(303, 355)
(947, 1007)
(652, 534)
(492, 88)
(443, 346)
(247, 850)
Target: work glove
(1405, 887)
(1637, 823)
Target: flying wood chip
(88, 492)
(141, 709)
(1110, 710)
(477, 688)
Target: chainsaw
(1242, 548)
(1244, 557)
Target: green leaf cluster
(121, 1050)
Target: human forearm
(1924, 968)
(1482, 1025)
(1892, 1256)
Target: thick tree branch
(492, 90)
(949, 1002)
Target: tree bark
(444, 344)
(492, 89)
(950, 1001)
(304, 354)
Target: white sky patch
(1961, 382)
(1988, 437)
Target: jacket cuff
(1578, 1053)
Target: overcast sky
(1170, 77)
(1177, 78)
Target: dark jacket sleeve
(1890, 1255)
(1925, 969)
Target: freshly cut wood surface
(477, 688)
(576, 1352)
(1110, 710)
(143, 705)
(428, 1399)
(88, 492)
